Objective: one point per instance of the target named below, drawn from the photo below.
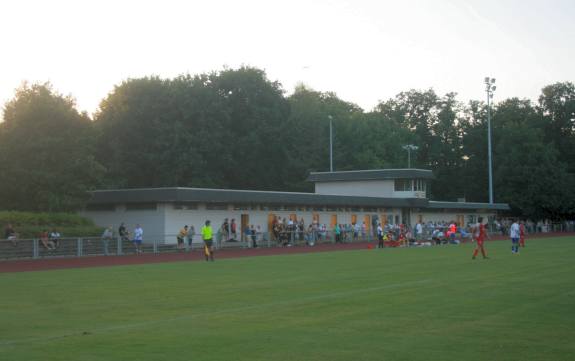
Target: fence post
(35, 249)
(119, 246)
(79, 244)
(155, 246)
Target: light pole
(409, 148)
(489, 89)
(330, 144)
(465, 159)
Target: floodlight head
(329, 117)
(493, 88)
(492, 80)
(487, 79)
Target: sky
(364, 51)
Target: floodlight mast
(409, 148)
(330, 144)
(489, 89)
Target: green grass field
(397, 304)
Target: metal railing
(97, 246)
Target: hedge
(30, 224)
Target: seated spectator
(54, 237)
(45, 240)
(11, 235)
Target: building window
(141, 206)
(185, 205)
(403, 185)
(420, 185)
(216, 206)
(241, 207)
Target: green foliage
(46, 152)
(29, 224)
(236, 129)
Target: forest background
(236, 129)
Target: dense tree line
(237, 129)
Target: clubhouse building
(383, 196)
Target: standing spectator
(380, 243)
(11, 235)
(181, 237)
(356, 230)
(514, 235)
(479, 233)
(207, 237)
(247, 234)
(225, 230)
(138, 238)
(123, 232)
(363, 230)
(191, 234)
(418, 231)
(233, 230)
(107, 236)
(55, 237)
(337, 233)
(254, 236)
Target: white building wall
(374, 188)
(448, 216)
(367, 188)
(165, 222)
(152, 221)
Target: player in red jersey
(521, 234)
(479, 233)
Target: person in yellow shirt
(207, 236)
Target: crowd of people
(288, 231)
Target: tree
(46, 152)
(557, 109)
(218, 130)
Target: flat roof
(468, 205)
(374, 174)
(206, 195)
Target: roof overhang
(469, 206)
(203, 195)
(375, 174)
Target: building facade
(391, 196)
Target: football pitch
(431, 303)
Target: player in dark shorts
(207, 236)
